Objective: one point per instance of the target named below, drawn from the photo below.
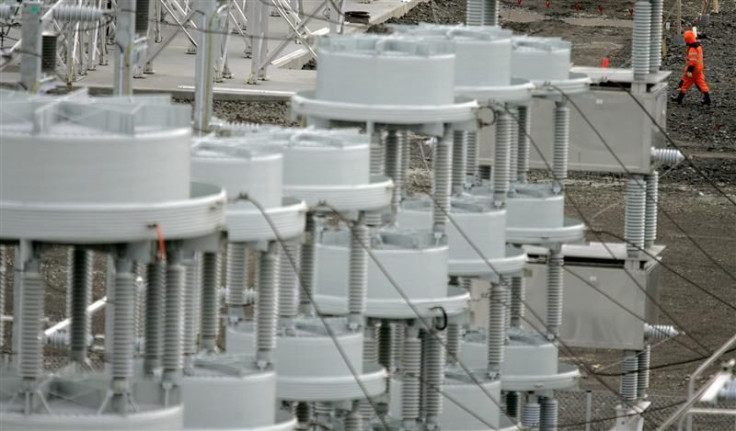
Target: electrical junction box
(615, 115)
(605, 304)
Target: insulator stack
(192, 295)
(267, 306)
(629, 377)
(172, 359)
(501, 159)
(522, 157)
(442, 181)
(31, 348)
(307, 267)
(70, 13)
(474, 12)
(81, 295)
(641, 44)
(385, 346)
(635, 223)
(496, 328)
(377, 153)
(645, 359)
(507, 303)
(518, 296)
(554, 293)
(453, 342)
(655, 333)
(532, 415)
(561, 147)
(652, 199)
(289, 282)
(370, 356)
(513, 145)
(666, 156)
(549, 414)
(142, 10)
(513, 405)
(491, 12)
(358, 278)
(459, 160)
(353, 420)
(140, 312)
(123, 336)
(211, 270)
(410, 389)
(236, 275)
(3, 282)
(48, 53)
(155, 294)
(393, 164)
(405, 164)
(471, 151)
(397, 342)
(655, 54)
(434, 376)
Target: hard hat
(690, 37)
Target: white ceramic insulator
(652, 197)
(123, 336)
(172, 358)
(629, 376)
(518, 297)
(410, 388)
(655, 54)
(358, 277)
(442, 181)
(236, 274)
(561, 147)
(288, 279)
(81, 295)
(472, 155)
(459, 160)
(522, 158)
(71, 13)
(154, 315)
(496, 328)
(31, 348)
(549, 414)
(307, 268)
(192, 296)
(635, 222)
(434, 376)
(210, 324)
(267, 304)
(642, 41)
(502, 157)
(531, 415)
(554, 292)
(644, 358)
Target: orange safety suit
(694, 73)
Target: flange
(416, 261)
(325, 376)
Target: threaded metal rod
(532, 413)
(31, 316)
(518, 296)
(629, 376)
(267, 306)
(434, 376)
(501, 158)
(235, 279)
(392, 157)
(642, 40)
(154, 315)
(496, 329)
(358, 279)
(81, 295)
(513, 405)
(192, 295)
(453, 342)
(405, 163)
(561, 146)
(459, 160)
(522, 157)
(554, 293)
(210, 325)
(308, 266)
(289, 282)
(123, 327)
(652, 199)
(471, 152)
(442, 181)
(410, 385)
(644, 358)
(172, 358)
(549, 414)
(514, 145)
(635, 223)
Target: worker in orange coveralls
(694, 71)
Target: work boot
(680, 97)
(706, 98)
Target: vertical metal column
(459, 160)
(308, 266)
(123, 335)
(235, 278)
(501, 158)
(561, 147)
(496, 329)
(154, 315)
(635, 222)
(172, 358)
(125, 40)
(554, 293)
(410, 386)
(267, 306)
(210, 322)
(29, 315)
(358, 278)
(442, 181)
(433, 380)
(192, 310)
(652, 201)
(289, 283)
(31, 34)
(81, 294)
(204, 65)
(642, 39)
